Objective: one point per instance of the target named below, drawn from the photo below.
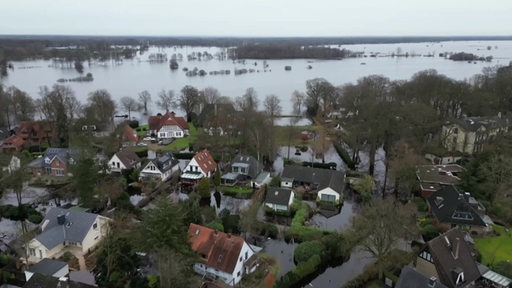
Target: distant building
(470, 134)
(168, 126)
(161, 168)
(279, 199)
(201, 165)
(54, 162)
(124, 160)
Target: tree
(249, 219)
(175, 269)
(115, 256)
(319, 96)
(100, 107)
(203, 187)
(272, 107)
(129, 105)
(145, 98)
(188, 100)
(248, 102)
(59, 106)
(162, 228)
(167, 100)
(20, 103)
(85, 174)
(210, 95)
(297, 100)
(381, 225)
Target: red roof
(129, 134)
(169, 118)
(13, 141)
(205, 161)
(218, 249)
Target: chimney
(432, 281)
(61, 219)
(457, 244)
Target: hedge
(301, 271)
(330, 165)
(344, 156)
(298, 231)
(308, 249)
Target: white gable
(115, 163)
(329, 191)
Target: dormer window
(460, 278)
(47, 160)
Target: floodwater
(234, 205)
(129, 77)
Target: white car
(148, 139)
(142, 144)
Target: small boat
(363, 63)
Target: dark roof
(128, 157)
(452, 256)
(165, 162)
(321, 177)
(44, 281)
(474, 123)
(66, 155)
(279, 196)
(47, 266)
(450, 206)
(75, 228)
(218, 249)
(410, 278)
(254, 165)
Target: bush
(298, 231)
(270, 230)
(420, 203)
(344, 155)
(504, 268)
(35, 218)
(303, 270)
(308, 249)
(4, 259)
(216, 225)
(330, 165)
(67, 256)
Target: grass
(142, 131)
(236, 190)
(496, 248)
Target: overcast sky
(257, 17)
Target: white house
(222, 256)
(201, 165)
(160, 168)
(168, 126)
(49, 267)
(123, 160)
(329, 195)
(9, 163)
(279, 199)
(67, 227)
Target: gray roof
(450, 206)
(279, 196)
(75, 228)
(250, 162)
(128, 157)
(47, 266)
(410, 278)
(44, 281)
(490, 123)
(165, 162)
(322, 178)
(64, 154)
(452, 255)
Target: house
(63, 228)
(55, 162)
(311, 180)
(168, 126)
(129, 136)
(13, 143)
(470, 134)
(242, 169)
(452, 208)
(201, 165)
(217, 118)
(262, 179)
(40, 281)
(492, 279)
(9, 163)
(222, 256)
(410, 278)
(160, 168)
(449, 259)
(279, 199)
(49, 267)
(328, 195)
(35, 133)
(431, 177)
(124, 160)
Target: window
(460, 278)
(241, 258)
(95, 225)
(238, 274)
(246, 255)
(47, 160)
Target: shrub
(67, 256)
(216, 225)
(35, 218)
(308, 249)
(344, 155)
(4, 259)
(303, 270)
(270, 230)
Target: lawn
(142, 131)
(182, 143)
(495, 249)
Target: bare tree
(20, 103)
(129, 104)
(210, 95)
(297, 100)
(188, 100)
(145, 98)
(167, 100)
(272, 106)
(248, 102)
(100, 107)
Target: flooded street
(339, 276)
(234, 205)
(338, 222)
(282, 253)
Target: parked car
(165, 142)
(151, 139)
(142, 144)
